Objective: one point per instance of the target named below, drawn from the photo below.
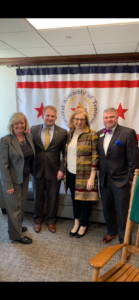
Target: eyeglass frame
(82, 120)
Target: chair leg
(95, 275)
(137, 240)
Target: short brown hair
(75, 112)
(50, 107)
(110, 109)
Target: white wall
(7, 97)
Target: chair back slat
(133, 249)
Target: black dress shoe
(71, 234)
(81, 235)
(25, 240)
(24, 229)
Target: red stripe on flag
(78, 84)
(138, 137)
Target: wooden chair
(122, 271)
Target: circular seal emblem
(79, 98)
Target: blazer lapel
(101, 140)
(38, 136)
(16, 145)
(115, 135)
(55, 135)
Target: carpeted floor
(52, 257)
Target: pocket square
(118, 143)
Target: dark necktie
(107, 130)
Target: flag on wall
(93, 87)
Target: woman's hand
(90, 184)
(10, 191)
(91, 181)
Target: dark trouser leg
(75, 203)
(86, 209)
(122, 198)
(39, 195)
(109, 210)
(52, 191)
(116, 197)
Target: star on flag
(121, 111)
(40, 110)
(79, 106)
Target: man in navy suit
(118, 151)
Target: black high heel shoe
(81, 235)
(71, 234)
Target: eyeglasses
(82, 120)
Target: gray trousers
(46, 195)
(15, 206)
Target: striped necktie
(47, 138)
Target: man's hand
(10, 191)
(60, 175)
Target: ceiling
(20, 39)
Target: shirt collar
(50, 127)
(113, 129)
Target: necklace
(23, 142)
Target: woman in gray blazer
(16, 162)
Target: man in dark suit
(118, 152)
(49, 140)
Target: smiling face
(110, 119)
(19, 127)
(79, 121)
(49, 117)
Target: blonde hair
(16, 118)
(75, 112)
(50, 107)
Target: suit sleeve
(4, 165)
(132, 153)
(63, 152)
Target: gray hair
(16, 118)
(110, 109)
(50, 107)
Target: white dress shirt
(107, 140)
(71, 154)
(43, 132)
